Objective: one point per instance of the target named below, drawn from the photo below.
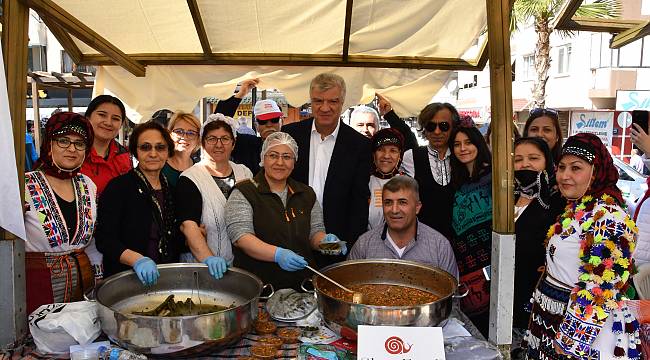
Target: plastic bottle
(116, 353)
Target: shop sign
(629, 100)
(400, 342)
(599, 123)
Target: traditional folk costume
(578, 304)
(61, 259)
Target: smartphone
(487, 272)
(640, 117)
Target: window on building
(606, 54)
(37, 58)
(68, 65)
(528, 67)
(594, 53)
(630, 54)
(564, 59)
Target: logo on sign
(585, 122)
(394, 345)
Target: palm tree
(543, 12)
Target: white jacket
(642, 253)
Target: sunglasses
(537, 112)
(264, 122)
(431, 126)
(146, 147)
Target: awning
(285, 44)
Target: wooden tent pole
(503, 241)
(13, 315)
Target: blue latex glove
(289, 260)
(146, 270)
(331, 238)
(217, 266)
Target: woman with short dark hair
(471, 177)
(136, 226)
(202, 191)
(107, 158)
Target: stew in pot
(384, 295)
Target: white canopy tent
(390, 46)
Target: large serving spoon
(357, 297)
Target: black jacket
(346, 193)
(124, 220)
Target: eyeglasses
(275, 156)
(213, 140)
(146, 147)
(187, 134)
(431, 126)
(537, 112)
(64, 143)
(264, 122)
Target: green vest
(275, 224)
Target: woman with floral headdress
(537, 205)
(202, 191)
(61, 256)
(578, 308)
(387, 150)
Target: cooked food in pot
(169, 307)
(264, 327)
(384, 295)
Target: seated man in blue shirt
(403, 236)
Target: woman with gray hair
(274, 221)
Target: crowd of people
(271, 204)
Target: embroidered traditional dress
(578, 305)
(58, 263)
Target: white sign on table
(400, 343)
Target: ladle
(357, 297)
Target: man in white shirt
(334, 160)
(403, 236)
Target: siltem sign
(599, 123)
(628, 100)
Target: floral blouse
(590, 249)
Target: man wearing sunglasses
(429, 165)
(269, 119)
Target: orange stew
(384, 295)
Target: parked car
(631, 182)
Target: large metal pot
(123, 293)
(343, 317)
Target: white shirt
(376, 208)
(399, 250)
(440, 168)
(320, 154)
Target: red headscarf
(60, 124)
(589, 148)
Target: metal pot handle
(304, 282)
(266, 287)
(463, 294)
(90, 295)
